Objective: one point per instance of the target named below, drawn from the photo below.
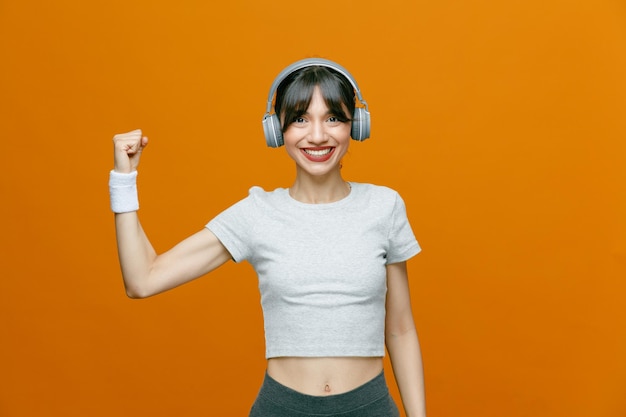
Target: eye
(299, 120)
(335, 120)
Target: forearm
(135, 252)
(406, 360)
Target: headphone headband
(311, 62)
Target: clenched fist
(127, 150)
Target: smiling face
(317, 139)
(315, 105)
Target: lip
(318, 158)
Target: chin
(318, 171)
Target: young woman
(330, 256)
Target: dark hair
(294, 94)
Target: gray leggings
(369, 400)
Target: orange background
(502, 124)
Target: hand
(127, 150)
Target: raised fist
(127, 150)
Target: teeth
(318, 152)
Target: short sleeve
(233, 228)
(402, 244)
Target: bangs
(294, 95)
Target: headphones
(271, 122)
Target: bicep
(195, 256)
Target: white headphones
(271, 123)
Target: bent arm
(145, 273)
(403, 343)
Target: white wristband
(123, 192)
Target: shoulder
(246, 214)
(259, 196)
(374, 192)
(257, 202)
(374, 188)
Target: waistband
(279, 394)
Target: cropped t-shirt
(321, 267)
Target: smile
(318, 154)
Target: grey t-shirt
(321, 267)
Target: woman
(330, 257)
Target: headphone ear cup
(360, 124)
(272, 130)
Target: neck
(319, 190)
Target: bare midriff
(324, 376)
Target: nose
(318, 133)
